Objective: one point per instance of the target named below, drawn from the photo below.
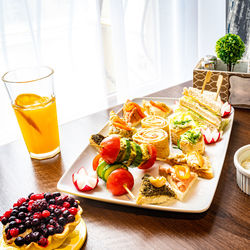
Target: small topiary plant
(230, 49)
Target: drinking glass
(31, 91)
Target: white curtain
(105, 51)
(63, 34)
(155, 44)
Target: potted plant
(230, 49)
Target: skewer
(218, 84)
(207, 79)
(129, 192)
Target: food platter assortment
(157, 153)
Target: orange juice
(37, 119)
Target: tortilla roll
(155, 136)
(153, 121)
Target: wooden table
(226, 224)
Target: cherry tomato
(110, 148)
(96, 161)
(150, 162)
(117, 179)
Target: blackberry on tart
(40, 221)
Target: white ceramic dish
(242, 175)
(197, 200)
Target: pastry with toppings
(95, 140)
(40, 221)
(157, 108)
(179, 124)
(132, 113)
(118, 126)
(180, 178)
(176, 158)
(192, 140)
(198, 163)
(154, 191)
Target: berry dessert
(41, 221)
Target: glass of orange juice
(31, 91)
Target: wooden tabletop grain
(226, 224)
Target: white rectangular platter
(197, 200)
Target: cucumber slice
(100, 168)
(104, 171)
(138, 158)
(111, 169)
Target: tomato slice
(96, 161)
(150, 162)
(110, 148)
(182, 171)
(117, 179)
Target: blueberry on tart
(40, 221)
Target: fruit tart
(41, 221)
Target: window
(104, 52)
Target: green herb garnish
(192, 135)
(176, 123)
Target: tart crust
(75, 240)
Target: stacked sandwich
(204, 107)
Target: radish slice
(211, 136)
(225, 109)
(84, 181)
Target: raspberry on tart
(41, 221)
